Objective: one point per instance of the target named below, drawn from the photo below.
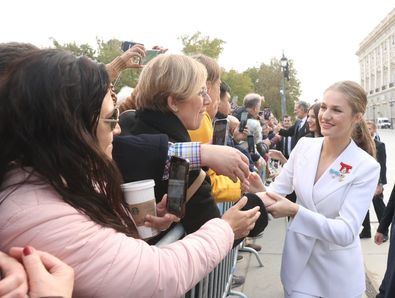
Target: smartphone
(243, 121)
(251, 144)
(266, 113)
(149, 55)
(220, 132)
(126, 45)
(177, 186)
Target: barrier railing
(218, 283)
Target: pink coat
(107, 263)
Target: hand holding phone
(177, 186)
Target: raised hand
(133, 56)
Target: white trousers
(302, 295)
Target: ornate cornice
(377, 32)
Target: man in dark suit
(387, 287)
(285, 144)
(378, 199)
(296, 131)
(301, 127)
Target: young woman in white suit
(334, 181)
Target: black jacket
(381, 157)
(141, 157)
(294, 132)
(388, 214)
(201, 207)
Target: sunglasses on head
(113, 120)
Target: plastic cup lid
(138, 185)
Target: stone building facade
(377, 65)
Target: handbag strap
(196, 184)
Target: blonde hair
(129, 103)
(357, 99)
(168, 75)
(212, 67)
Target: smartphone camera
(177, 186)
(126, 45)
(220, 132)
(243, 121)
(266, 113)
(251, 144)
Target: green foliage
(105, 53)
(78, 50)
(198, 44)
(240, 83)
(267, 80)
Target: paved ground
(264, 282)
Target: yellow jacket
(223, 188)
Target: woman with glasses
(60, 190)
(171, 98)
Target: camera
(177, 186)
(243, 121)
(266, 113)
(126, 45)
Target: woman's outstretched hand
(282, 206)
(226, 161)
(242, 222)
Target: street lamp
(285, 70)
(374, 112)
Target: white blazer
(322, 253)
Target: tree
(105, 53)
(267, 81)
(78, 50)
(240, 83)
(198, 44)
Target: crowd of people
(66, 230)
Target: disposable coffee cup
(140, 197)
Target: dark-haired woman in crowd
(314, 131)
(312, 120)
(60, 190)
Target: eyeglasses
(203, 92)
(113, 120)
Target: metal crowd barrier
(218, 283)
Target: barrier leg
(254, 252)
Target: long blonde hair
(356, 98)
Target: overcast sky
(320, 36)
